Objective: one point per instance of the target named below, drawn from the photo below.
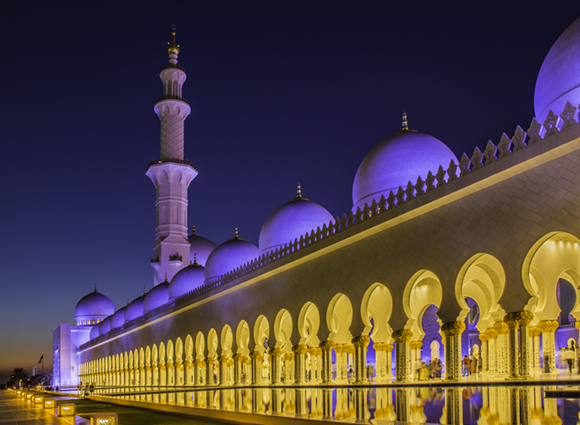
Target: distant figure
(547, 363)
(465, 371)
(569, 357)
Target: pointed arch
(309, 324)
(261, 333)
(555, 256)
(422, 291)
(339, 318)
(377, 306)
(283, 330)
(212, 343)
(243, 338)
(200, 346)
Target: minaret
(171, 174)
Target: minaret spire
(173, 47)
(405, 123)
(171, 244)
(299, 191)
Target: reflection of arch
(227, 339)
(423, 290)
(339, 318)
(482, 279)
(261, 333)
(212, 343)
(555, 256)
(308, 325)
(377, 305)
(199, 346)
(283, 330)
(243, 338)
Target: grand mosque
(439, 257)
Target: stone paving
(13, 410)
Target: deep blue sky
(281, 92)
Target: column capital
(198, 362)
(535, 331)
(490, 333)
(361, 341)
(238, 357)
(276, 352)
(389, 347)
(483, 337)
(548, 326)
(300, 349)
(256, 355)
(289, 356)
(327, 345)
(223, 359)
(501, 328)
(452, 328)
(402, 335)
(414, 345)
(210, 360)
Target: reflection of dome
(94, 306)
(559, 77)
(135, 308)
(118, 319)
(156, 297)
(186, 279)
(231, 254)
(94, 332)
(105, 326)
(290, 221)
(200, 246)
(394, 162)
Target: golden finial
(95, 287)
(173, 47)
(193, 228)
(299, 191)
(195, 258)
(236, 232)
(127, 301)
(165, 278)
(144, 291)
(405, 123)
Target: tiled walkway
(14, 410)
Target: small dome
(135, 308)
(199, 246)
(559, 78)
(156, 297)
(290, 221)
(395, 162)
(93, 307)
(105, 326)
(187, 279)
(94, 332)
(118, 319)
(228, 256)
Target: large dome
(559, 77)
(200, 246)
(395, 162)
(186, 279)
(156, 297)
(231, 254)
(93, 308)
(290, 221)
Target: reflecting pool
(379, 405)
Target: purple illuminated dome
(157, 296)
(93, 308)
(135, 308)
(94, 332)
(200, 247)
(105, 326)
(394, 162)
(559, 78)
(118, 319)
(290, 221)
(231, 254)
(187, 279)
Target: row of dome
(401, 158)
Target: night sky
(281, 92)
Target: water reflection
(380, 405)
